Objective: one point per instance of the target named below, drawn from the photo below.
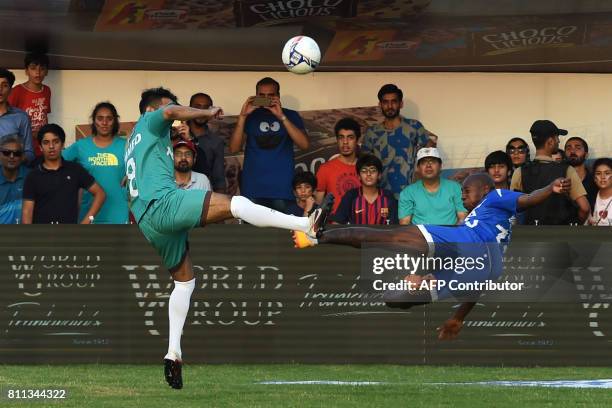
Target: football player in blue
(487, 228)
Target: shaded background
(355, 35)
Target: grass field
(238, 386)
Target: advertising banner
(99, 294)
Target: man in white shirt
(184, 156)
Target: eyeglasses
(428, 160)
(513, 150)
(369, 170)
(14, 153)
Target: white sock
(261, 216)
(178, 306)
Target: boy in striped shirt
(368, 204)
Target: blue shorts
(467, 259)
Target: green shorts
(168, 220)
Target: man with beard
(576, 153)
(209, 155)
(339, 175)
(396, 140)
(432, 199)
(556, 210)
(186, 179)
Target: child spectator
(499, 166)
(338, 175)
(51, 189)
(33, 96)
(304, 185)
(368, 204)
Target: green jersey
(149, 162)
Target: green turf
(236, 386)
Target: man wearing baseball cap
(432, 199)
(186, 179)
(560, 209)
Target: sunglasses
(513, 150)
(14, 153)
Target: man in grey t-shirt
(187, 179)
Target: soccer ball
(301, 55)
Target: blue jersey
(484, 233)
(488, 222)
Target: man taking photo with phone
(269, 132)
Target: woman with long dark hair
(101, 154)
(602, 210)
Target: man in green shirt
(166, 214)
(432, 200)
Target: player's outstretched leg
(178, 307)
(409, 236)
(222, 207)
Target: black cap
(543, 129)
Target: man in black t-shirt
(51, 189)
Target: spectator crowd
(391, 175)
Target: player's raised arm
(558, 186)
(184, 113)
(238, 137)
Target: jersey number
(130, 170)
(503, 233)
(469, 221)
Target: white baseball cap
(428, 152)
